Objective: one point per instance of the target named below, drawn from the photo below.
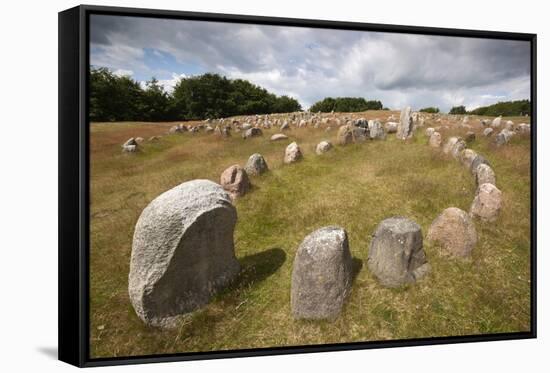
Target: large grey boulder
(182, 252)
(360, 134)
(321, 275)
(455, 231)
(396, 255)
(405, 128)
(487, 203)
(256, 165)
(235, 181)
(293, 153)
(376, 130)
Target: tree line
(121, 98)
(506, 109)
(345, 104)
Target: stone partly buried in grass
(182, 252)
(235, 181)
(455, 231)
(322, 275)
(396, 255)
(323, 147)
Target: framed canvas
(234, 186)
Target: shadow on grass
(258, 267)
(356, 267)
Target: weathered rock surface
(485, 174)
(503, 137)
(470, 137)
(235, 181)
(487, 203)
(449, 144)
(488, 132)
(396, 256)
(323, 147)
(321, 275)
(360, 134)
(130, 146)
(496, 122)
(391, 127)
(256, 165)
(292, 153)
(467, 156)
(429, 131)
(479, 159)
(182, 252)
(455, 231)
(457, 148)
(376, 130)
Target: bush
(458, 110)
(431, 109)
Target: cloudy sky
(310, 64)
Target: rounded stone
(455, 231)
(235, 181)
(435, 140)
(467, 156)
(345, 135)
(479, 159)
(182, 252)
(396, 255)
(323, 147)
(256, 165)
(487, 203)
(252, 132)
(278, 136)
(449, 144)
(292, 153)
(457, 148)
(321, 275)
(488, 132)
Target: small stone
(256, 165)
(235, 181)
(252, 132)
(488, 132)
(470, 137)
(455, 231)
(391, 127)
(485, 174)
(292, 153)
(435, 140)
(429, 131)
(479, 159)
(321, 275)
(487, 203)
(278, 136)
(323, 147)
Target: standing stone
(376, 131)
(278, 136)
(455, 231)
(396, 256)
(405, 128)
(435, 140)
(487, 203)
(360, 134)
(321, 275)
(485, 174)
(292, 153)
(256, 165)
(182, 252)
(449, 144)
(235, 181)
(323, 147)
(467, 156)
(488, 132)
(345, 135)
(285, 126)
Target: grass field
(355, 187)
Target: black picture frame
(74, 189)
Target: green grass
(355, 187)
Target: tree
(431, 109)
(345, 104)
(458, 110)
(507, 108)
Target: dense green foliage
(121, 98)
(345, 104)
(508, 108)
(431, 109)
(458, 110)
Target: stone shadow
(258, 267)
(356, 267)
